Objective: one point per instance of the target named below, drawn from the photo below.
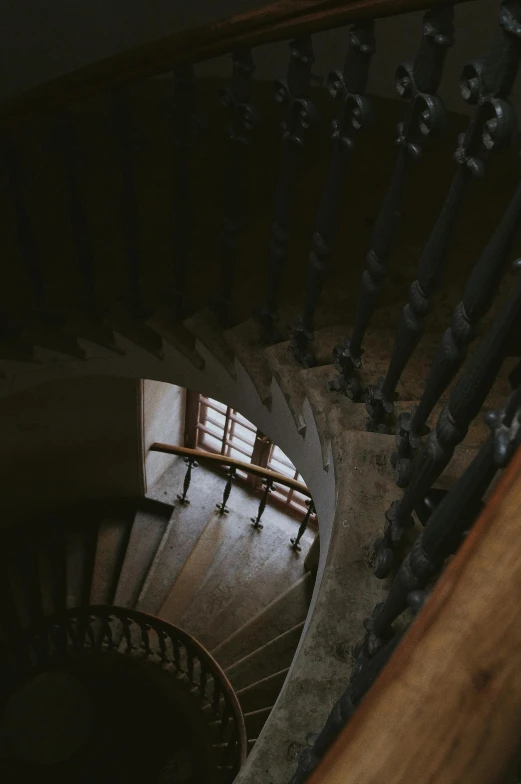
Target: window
(214, 427)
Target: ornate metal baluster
(216, 697)
(75, 163)
(127, 623)
(418, 83)
(48, 322)
(191, 462)
(354, 112)
(268, 486)
(177, 654)
(304, 524)
(487, 84)
(466, 400)
(237, 97)
(162, 637)
(449, 523)
(190, 661)
(202, 682)
(128, 143)
(227, 490)
(106, 632)
(301, 117)
(184, 109)
(477, 298)
(145, 638)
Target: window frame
(261, 453)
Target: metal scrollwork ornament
(354, 113)
(417, 83)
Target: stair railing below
(150, 639)
(193, 457)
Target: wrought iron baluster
(216, 697)
(449, 523)
(184, 126)
(491, 127)
(203, 679)
(75, 162)
(45, 315)
(127, 623)
(128, 143)
(466, 400)
(191, 462)
(237, 97)
(106, 632)
(227, 490)
(354, 113)
(301, 118)
(162, 637)
(190, 662)
(268, 486)
(145, 638)
(177, 653)
(304, 524)
(477, 298)
(418, 83)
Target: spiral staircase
(110, 264)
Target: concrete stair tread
(246, 342)
(287, 374)
(271, 658)
(262, 694)
(181, 536)
(347, 595)
(112, 541)
(203, 325)
(289, 608)
(218, 534)
(177, 335)
(255, 721)
(236, 588)
(149, 525)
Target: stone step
(150, 522)
(289, 608)
(237, 589)
(348, 593)
(217, 537)
(256, 720)
(263, 693)
(246, 343)
(203, 325)
(186, 526)
(113, 539)
(273, 657)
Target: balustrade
(420, 456)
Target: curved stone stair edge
(277, 421)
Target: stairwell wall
(75, 440)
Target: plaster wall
(164, 421)
(67, 442)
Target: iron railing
(420, 456)
(147, 638)
(192, 457)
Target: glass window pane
(210, 442)
(216, 404)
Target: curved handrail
(250, 468)
(110, 628)
(277, 21)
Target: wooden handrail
(276, 21)
(250, 468)
(447, 707)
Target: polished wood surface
(275, 21)
(447, 708)
(250, 468)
